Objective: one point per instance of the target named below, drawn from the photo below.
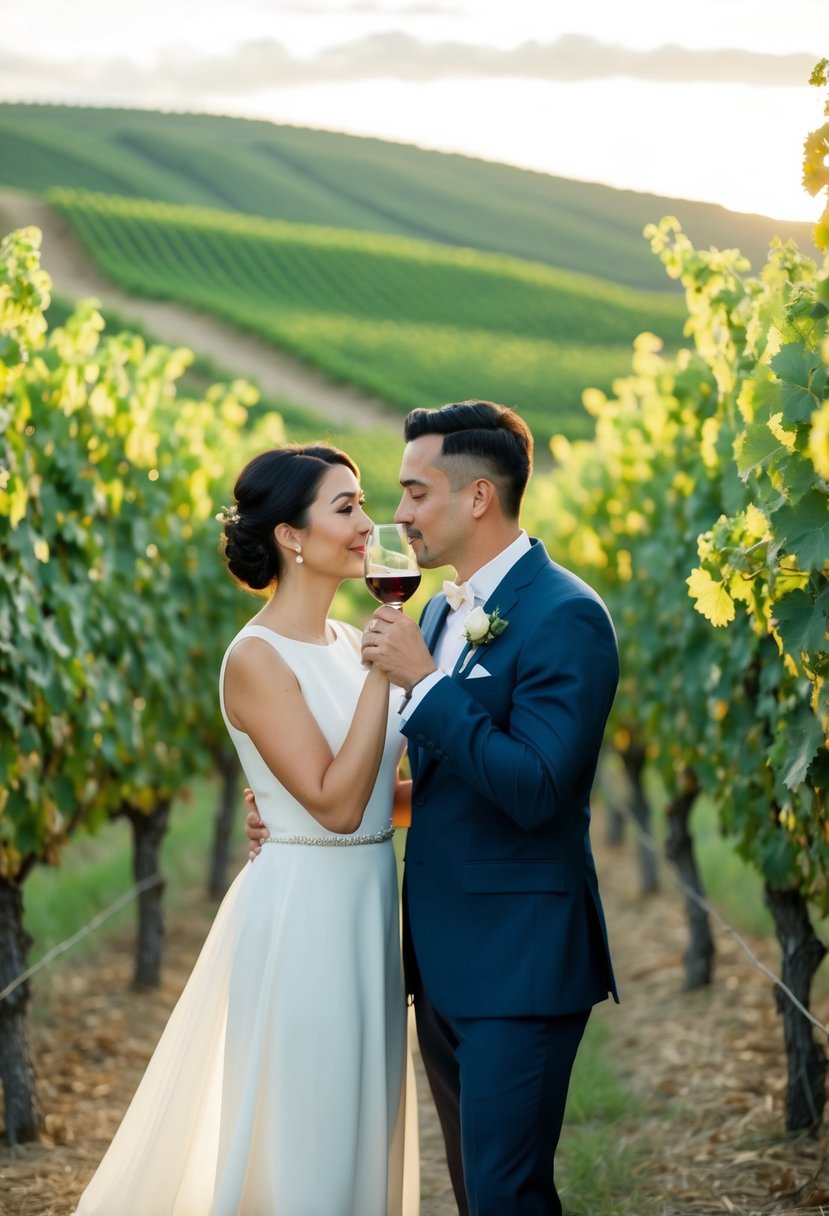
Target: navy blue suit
(505, 943)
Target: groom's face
(434, 514)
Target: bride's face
(334, 542)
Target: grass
(95, 870)
(730, 884)
(735, 888)
(594, 1165)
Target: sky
(703, 99)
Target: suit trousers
(500, 1088)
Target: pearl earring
(299, 559)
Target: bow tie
(459, 594)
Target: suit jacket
(502, 915)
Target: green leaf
(804, 380)
(732, 489)
(756, 448)
(801, 622)
(798, 476)
(804, 735)
(803, 530)
(777, 858)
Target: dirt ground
(712, 1060)
(706, 1069)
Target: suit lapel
(520, 575)
(504, 598)
(434, 623)
(431, 624)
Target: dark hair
(276, 487)
(490, 433)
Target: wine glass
(392, 572)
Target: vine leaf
(710, 597)
(801, 621)
(756, 447)
(804, 735)
(803, 530)
(803, 377)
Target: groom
(505, 943)
(504, 938)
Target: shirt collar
(484, 581)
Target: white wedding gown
(279, 1086)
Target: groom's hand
(254, 827)
(393, 642)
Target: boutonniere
(480, 628)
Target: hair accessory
(228, 515)
(299, 558)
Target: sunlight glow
(727, 144)
(731, 143)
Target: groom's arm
(566, 677)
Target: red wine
(392, 588)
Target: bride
(278, 1087)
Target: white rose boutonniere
(480, 628)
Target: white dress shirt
(450, 641)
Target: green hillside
(342, 181)
(412, 321)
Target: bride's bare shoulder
(251, 656)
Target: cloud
(408, 10)
(573, 57)
(266, 64)
(372, 8)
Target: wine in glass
(392, 572)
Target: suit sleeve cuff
(418, 693)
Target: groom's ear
(484, 495)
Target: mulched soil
(706, 1069)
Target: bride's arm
(263, 698)
(256, 830)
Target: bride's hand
(393, 642)
(254, 827)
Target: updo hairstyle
(276, 487)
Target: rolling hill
(371, 185)
(411, 321)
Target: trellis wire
(84, 931)
(650, 844)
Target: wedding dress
(279, 1085)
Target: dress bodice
(330, 678)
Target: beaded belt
(372, 838)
